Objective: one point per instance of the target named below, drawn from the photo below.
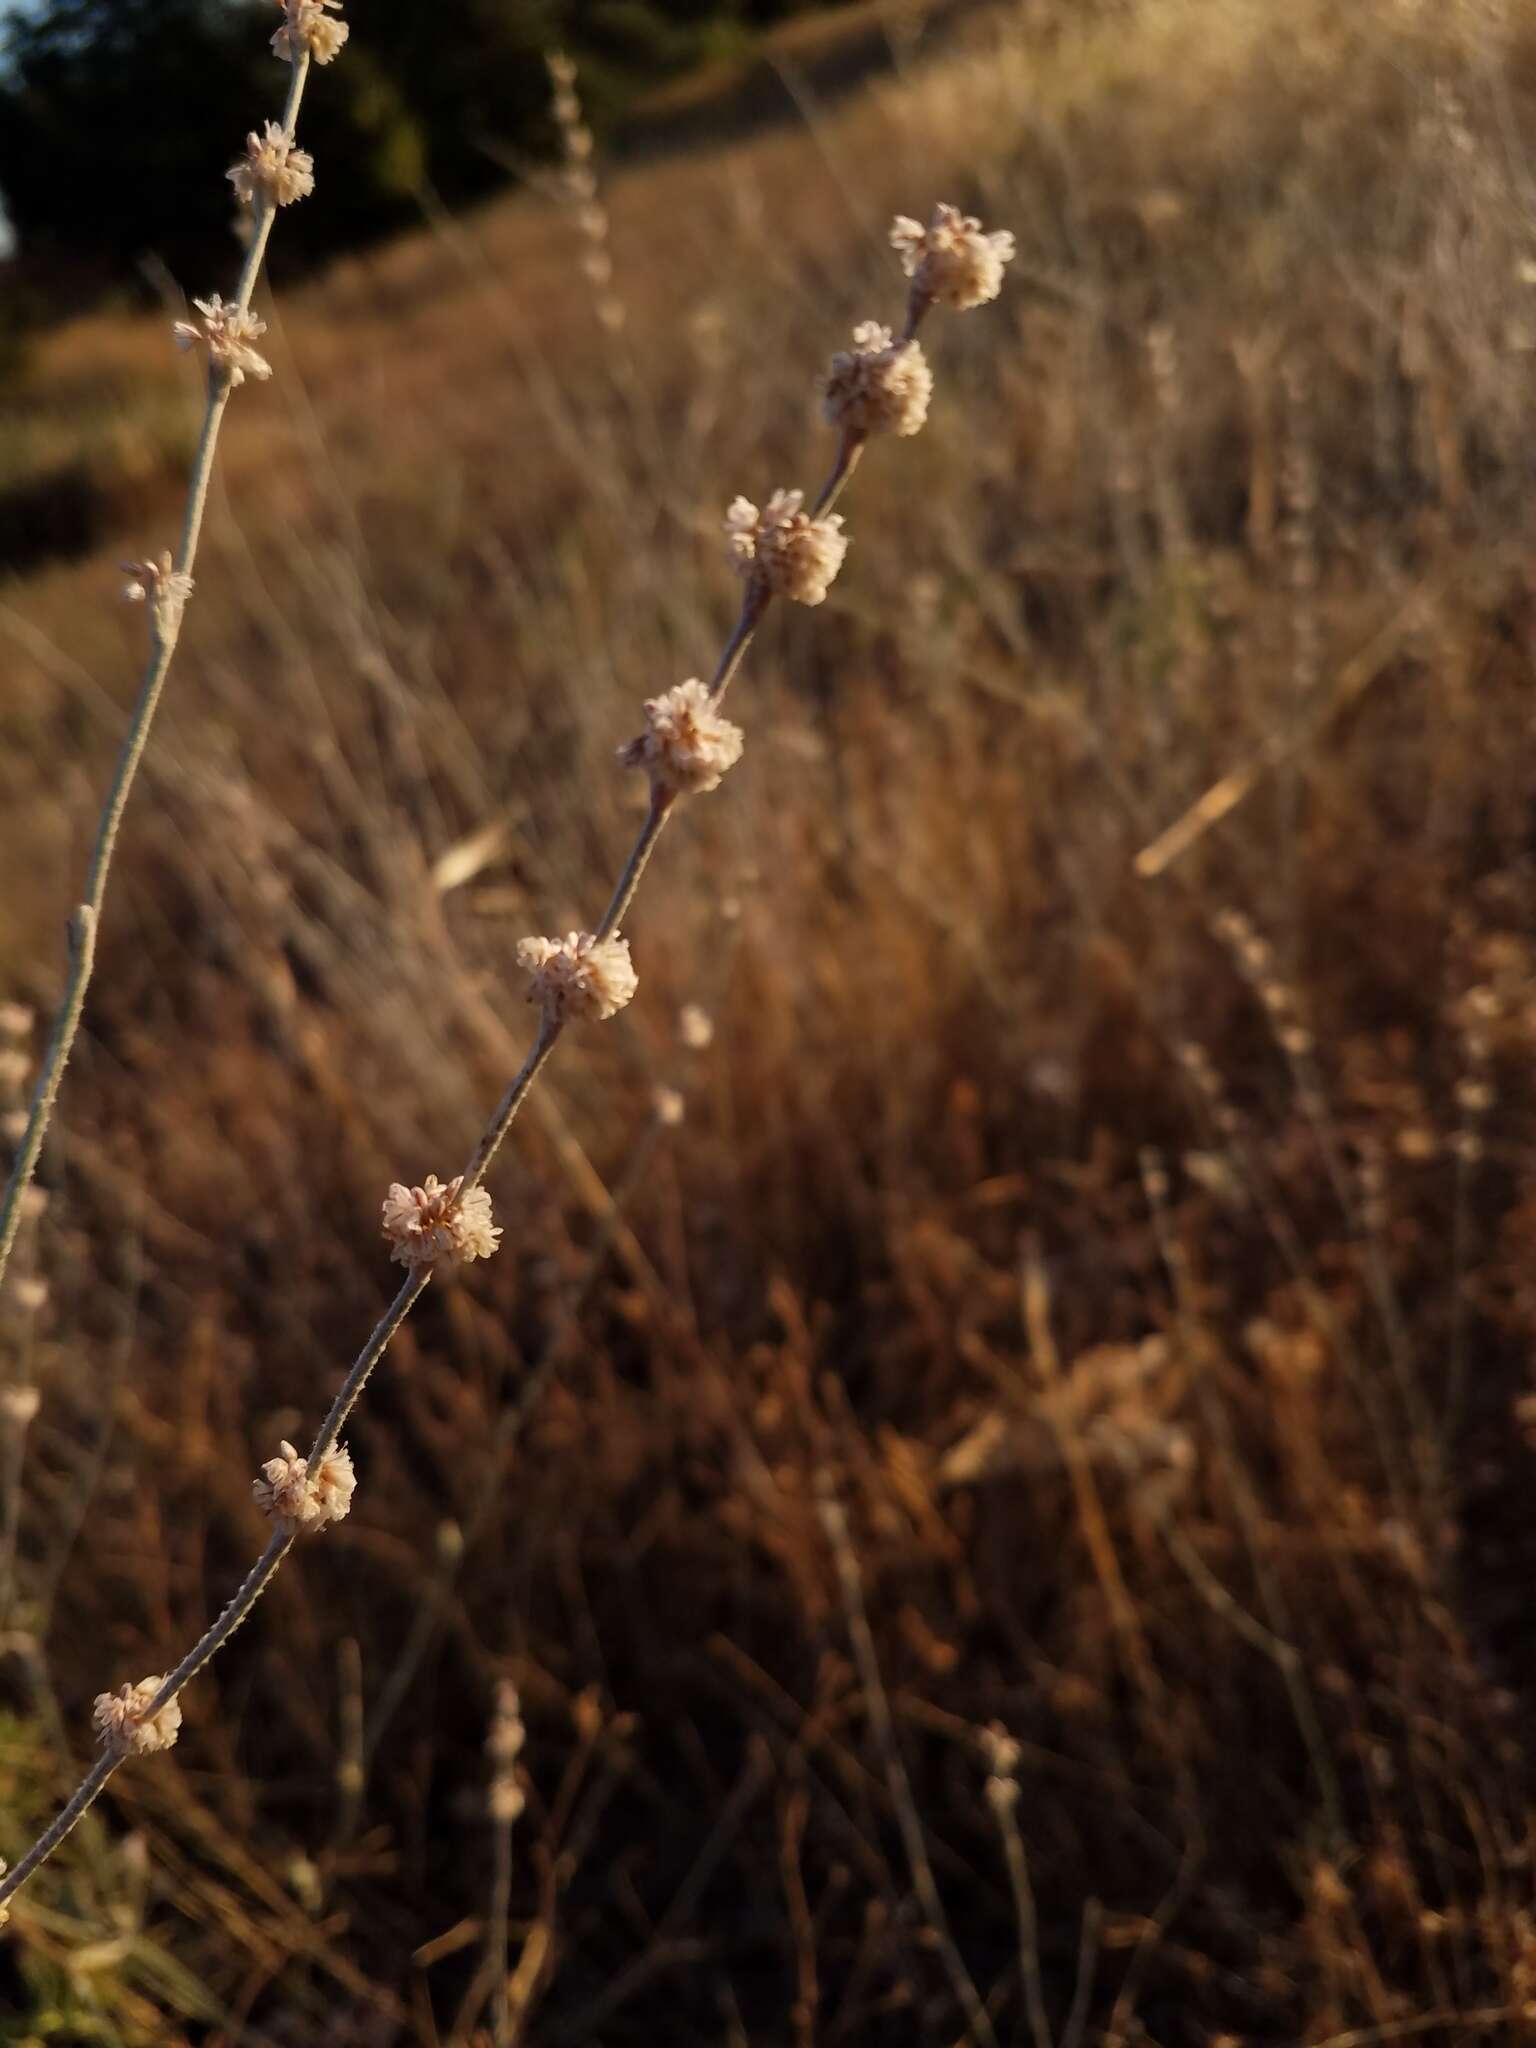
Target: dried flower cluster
(228, 332)
(308, 28)
(687, 746)
(579, 976)
(783, 551)
(695, 1027)
(127, 1727)
(302, 1504)
(16, 1020)
(578, 183)
(273, 168)
(161, 586)
(879, 386)
(503, 1746)
(437, 1225)
(952, 261)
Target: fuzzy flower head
(300, 1504)
(436, 1225)
(878, 386)
(308, 27)
(579, 976)
(951, 261)
(127, 1727)
(686, 746)
(159, 585)
(273, 168)
(783, 551)
(228, 332)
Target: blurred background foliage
(116, 117)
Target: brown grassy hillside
(1141, 1250)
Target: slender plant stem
(165, 629)
(899, 1785)
(754, 605)
(510, 1103)
(848, 453)
(366, 1360)
(661, 805)
(499, 1933)
(85, 1796)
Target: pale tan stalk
(878, 1707)
(165, 628)
(256, 1581)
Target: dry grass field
(1141, 1246)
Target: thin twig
(261, 1574)
(835, 1522)
(165, 630)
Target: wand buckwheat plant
(781, 551)
(273, 173)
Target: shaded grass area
(1145, 1262)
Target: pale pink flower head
(161, 586)
(686, 746)
(309, 27)
(227, 332)
(273, 168)
(127, 1727)
(437, 1225)
(782, 551)
(952, 261)
(579, 976)
(878, 386)
(301, 1504)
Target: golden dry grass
(1159, 1304)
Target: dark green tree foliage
(118, 118)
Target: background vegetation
(1146, 1257)
(434, 103)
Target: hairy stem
(754, 605)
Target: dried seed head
(161, 586)
(228, 332)
(781, 550)
(579, 976)
(309, 28)
(952, 262)
(302, 1505)
(127, 1727)
(437, 1225)
(503, 1746)
(15, 1066)
(29, 1294)
(16, 1020)
(273, 168)
(879, 385)
(687, 746)
(695, 1027)
(18, 1405)
(669, 1106)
